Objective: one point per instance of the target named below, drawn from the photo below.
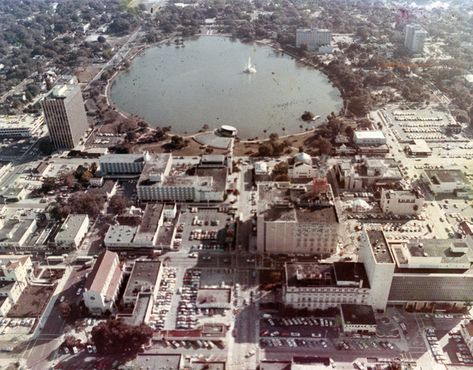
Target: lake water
(203, 83)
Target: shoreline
(142, 49)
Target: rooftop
(153, 170)
(439, 176)
(71, 227)
(214, 296)
(369, 134)
(379, 246)
(13, 230)
(61, 91)
(103, 267)
(351, 272)
(143, 278)
(121, 158)
(19, 121)
(151, 217)
(357, 314)
(120, 234)
(145, 361)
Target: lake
(204, 83)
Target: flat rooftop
(440, 176)
(120, 234)
(157, 361)
(143, 278)
(71, 227)
(214, 296)
(357, 314)
(323, 215)
(121, 158)
(309, 275)
(352, 272)
(379, 246)
(151, 217)
(369, 134)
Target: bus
(55, 259)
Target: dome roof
(303, 157)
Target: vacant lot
(32, 301)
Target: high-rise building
(65, 115)
(313, 38)
(414, 38)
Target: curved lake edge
(278, 49)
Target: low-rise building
(301, 167)
(448, 181)
(369, 138)
(361, 173)
(24, 125)
(102, 285)
(466, 330)
(15, 232)
(358, 318)
(15, 272)
(119, 165)
(119, 236)
(419, 148)
(145, 278)
(72, 231)
(147, 233)
(321, 286)
(401, 202)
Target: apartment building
(313, 38)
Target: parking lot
(202, 229)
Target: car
(295, 334)
(62, 299)
(89, 348)
(79, 291)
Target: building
(15, 272)
(363, 173)
(15, 232)
(414, 38)
(313, 38)
(218, 298)
(158, 183)
(147, 233)
(73, 230)
(419, 148)
(369, 138)
(65, 116)
(297, 219)
(401, 202)
(103, 283)
(420, 274)
(120, 236)
(358, 318)
(21, 126)
(321, 286)
(119, 165)
(449, 181)
(145, 278)
(466, 330)
(261, 171)
(301, 167)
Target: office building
(414, 38)
(358, 318)
(72, 231)
(448, 181)
(313, 38)
(320, 286)
(21, 126)
(145, 278)
(418, 274)
(366, 138)
(123, 165)
(363, 173)
(401, 202)
(295, 219)
(65, 116)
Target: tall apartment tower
(65, 115)
(414, 38)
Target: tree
(325, 147)
(118, 204)
(46, 146)
(265, 150)
(116, 337)
(101, 39)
